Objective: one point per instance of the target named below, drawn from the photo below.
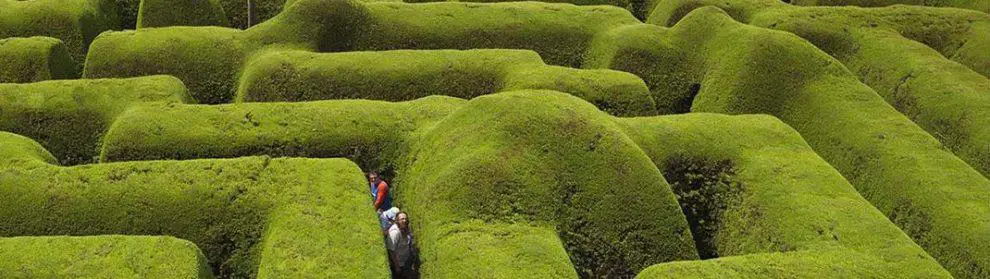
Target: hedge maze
(586, 139)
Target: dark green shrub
(889, 159)
(112, 256)
(252, 216)
(75, 22)
(35, 59)
(159, 13)
(69, 117)
(409, 74)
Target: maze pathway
(651, 139)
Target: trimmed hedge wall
(947, 99)
(113, 256)
(935, 197)
(206, 59)
(261, 10)
(252, 216)
(159, 13)
(69, 117)
(35, 59)
(962, 36)
(828, 261)
(767, 205)
(209, 59)
(558, 32)
(399, 75)
(363, 130)
(982, 6)
(542, 183)
(535, 161)
(381, 134)
(409, 74)
(901, 53)
(75, 22)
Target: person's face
(372, 177)
(402, 221)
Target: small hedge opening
(705, 189)
(684, 105)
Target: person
(379, 192)
(401, 250)
(387, 218)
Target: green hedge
(69, 117)
(558, 32)
(252, 216)
(363, 130)
(159, 13)
(945, 98)
(935, 197)
(18, 150)
(399, 75)
(112, 256)
(75, 22)
(409, 74)
(209, 59)
(901, 53)
(234, 12)
(962, 36)
(828, 262)
(35, 59)
(544, 184)
(982, 6)
(261, 10)
(766, 205)
(516, 230)
(528, 162)
(206, 59)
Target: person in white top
(387, 218)
(401, 250)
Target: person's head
(372, 176)
(402, 220)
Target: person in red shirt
(380, 195)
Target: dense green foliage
(210, 59)
(260, 11)
(386, 132)
(251, 216)
(495, 178)
(935, 197)
(510, 160)
(158, 13)
(961, 36)
(234, 12)
(69, 117)
(405, 75)
(35, 59)
(758, 190)
(983, 6)
(532, 161)
(206, 59)
(75, 22)
(101, 257)
(363, 130)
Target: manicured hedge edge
(69, 117)
(252, 216)
(901, 169)
(110, 256)
(35, 59)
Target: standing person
(387, 219)
(401, 250)
(379, 192)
